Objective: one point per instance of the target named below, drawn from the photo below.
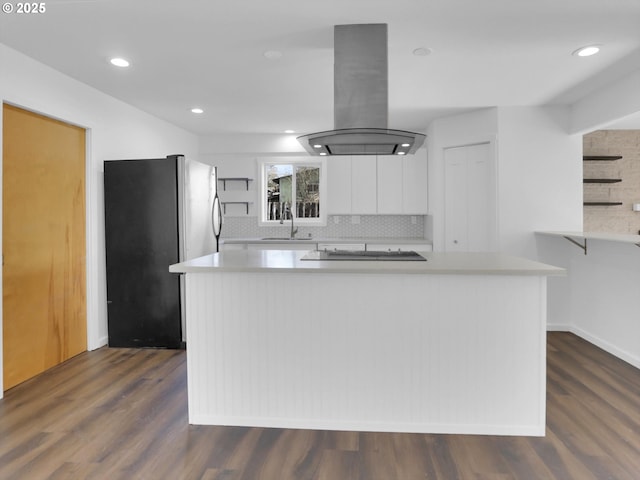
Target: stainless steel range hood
(361, 94)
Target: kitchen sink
(287, 239)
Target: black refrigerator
(145, 232)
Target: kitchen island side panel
(368, 352)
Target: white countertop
(301, 240)
(612, 237)
(437, 263)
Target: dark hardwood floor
(122, 414)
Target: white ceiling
(209, 53)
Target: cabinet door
(283, 246)
(341, 246)
(389, 182)
(414, 184)
(363, 184)
(402, 247)
(225, 247)
(339, 185)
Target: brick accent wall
(619, 218)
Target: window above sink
(296, 185)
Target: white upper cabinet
(390, 174)
(402, 184)
(339, 185)
(414, 184)
(363, 185)
(385, 185)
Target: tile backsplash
(338, 226)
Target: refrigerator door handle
(216, 211)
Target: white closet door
(456, 180)
(470, 192)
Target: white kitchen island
(456, 344)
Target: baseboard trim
(558, 327)
(101, 342)
(607, 347)
(369, 426)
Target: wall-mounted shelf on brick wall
(601, 158)
(597, 158)
(602, 204)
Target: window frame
(264, 163)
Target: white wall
(539, 171)
(609, 103)
(540, 176)
(115, 130)
(598, 299)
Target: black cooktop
(365, 255)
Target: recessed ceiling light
(405, 145)
(289, 131)
(402, 153)
(323, 153)
(422, 51)
(197, 110)
(317, 146)
(272, 54)
(119, 62)
(586, 51)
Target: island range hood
(360, 93)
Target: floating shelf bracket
(224, 181)
(580, 245)
(224, 205)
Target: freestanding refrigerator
(153, 209)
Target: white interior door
(470, 193)
(456, 181)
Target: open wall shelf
(224, 205)
(224, 181)
(601, 158)
(602, 204)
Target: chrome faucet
(287, 209)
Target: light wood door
(44, 288)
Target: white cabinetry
(282, 246)
(363, 185)
(225, 247)
(339, 185)
(390, 175)
(341, 246)
(402, 247)
(384, 185)
(402, 184)
(414, 184)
